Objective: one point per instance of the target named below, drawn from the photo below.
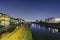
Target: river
(43, 33)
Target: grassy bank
(21, 33)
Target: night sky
(30, 9)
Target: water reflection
(37, 26)
(44, 33)
(44, 28)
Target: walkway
(21, 33)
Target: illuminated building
(4, 20)
(52, 20)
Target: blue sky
(31, 9)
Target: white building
(57, 20)
(53, 20)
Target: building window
(7, 23)
(3, 23)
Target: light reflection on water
(43, 33)
(44, 28)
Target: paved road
(21, 33)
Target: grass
(21, 33)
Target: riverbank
(21, 33)
(52, 25)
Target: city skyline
(30, 9)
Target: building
(52, 20)
(4, 20)
(7, 21)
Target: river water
(43, 33)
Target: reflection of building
(52, 20)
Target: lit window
(3, 22)
(6, 22)
(5, 18)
